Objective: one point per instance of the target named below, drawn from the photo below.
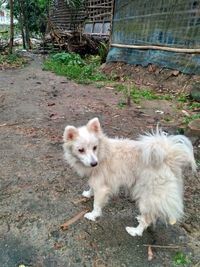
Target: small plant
(103, 51)
(122, 104)
(181, 259)
(120, 87)
(182, 98)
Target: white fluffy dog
(150, 167)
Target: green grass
(12, 60)
(194, 106)
(139, 94)
(191, 118)
(75, 68)
(87, 71)
(122, 104)
(198, 162)
(182, 98)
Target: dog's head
(84, 142)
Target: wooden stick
(80, 200)
(66, 225)
(197, 264)
(157, 47)
(160, 246)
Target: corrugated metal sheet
(169, 23)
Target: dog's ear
(70, 133)
(94, 126)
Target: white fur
(150, 167)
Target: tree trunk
(27, 32)
(21, 21)
(11, 27)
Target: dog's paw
(90, 216)
(87, 194)
(134, 231)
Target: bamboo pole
(157, 47)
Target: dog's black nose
(93, 164)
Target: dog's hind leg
(101, 197)
(144, 222)
(88, 193)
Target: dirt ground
(39, 192)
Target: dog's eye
(94, 148)
(81, 150)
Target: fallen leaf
(98, 263)
(150, 254)
(175, 73)
(185, 113)
(58, 245)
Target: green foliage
(103, 51)
(139, 94)
(75, 68)
(198, 162)
(70, 59)
(33, 12)
(120, 87)
(194, 106)
(182, 98)
(191, 118)
(122, 104)
(12, 60)
(181, 259)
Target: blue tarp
(160, 23)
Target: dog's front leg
(143, 224)
(88, 193)
(100, 199)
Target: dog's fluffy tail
(158, 148)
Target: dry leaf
(150, 254)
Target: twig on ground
(186, 227)
(65, 225)
(80, 200)
(9, 124)
(197, 264)
(160, 246)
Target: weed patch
(191, 118)
(181, 259)
(139, 94)
(12, 61)
(75, 68)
